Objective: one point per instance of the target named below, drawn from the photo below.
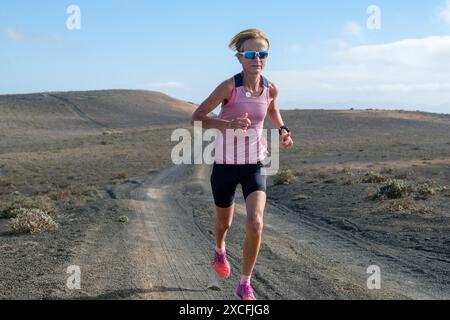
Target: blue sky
(322, 53)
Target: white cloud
(423, 54)
(412, 72)
(353, 28)
(31, 38)
(13, 34)
(444, 13)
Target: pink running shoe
(245, 291)
(221, 265)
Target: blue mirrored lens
(250, 55)
(263, 54)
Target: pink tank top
(235, 146)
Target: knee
(255, 226)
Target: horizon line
(318, 108)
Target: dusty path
(165, 252)
(300, 258)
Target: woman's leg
(255, 204)
(224, 218)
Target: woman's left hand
(286, 140)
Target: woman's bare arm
(221, 93)
(273, 112)
(275, 116)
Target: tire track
(78, 111)
(300, 258)
(183, 253)
(406, 271)
(191, 206)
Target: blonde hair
(237, 43)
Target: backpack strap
(266, 82)
(238, 80)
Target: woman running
(247, 98)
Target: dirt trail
(299, 259)
(165, 252)
(179, 249)
(78, 111)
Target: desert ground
(359, 188)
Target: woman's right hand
(242, 122)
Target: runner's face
(257, 65)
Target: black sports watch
(281, 129)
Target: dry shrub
(285, 177)
(394, 189)
(120, 175)
(32, 221)
(347, 181)
(373, 177)
(424, 191)
(406, 174)
(387, 170)
(348, 171)
(404, 206)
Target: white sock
(220, 251)
(245, 279)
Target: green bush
(394, 189)
(124, 219)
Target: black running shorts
(226, 177)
